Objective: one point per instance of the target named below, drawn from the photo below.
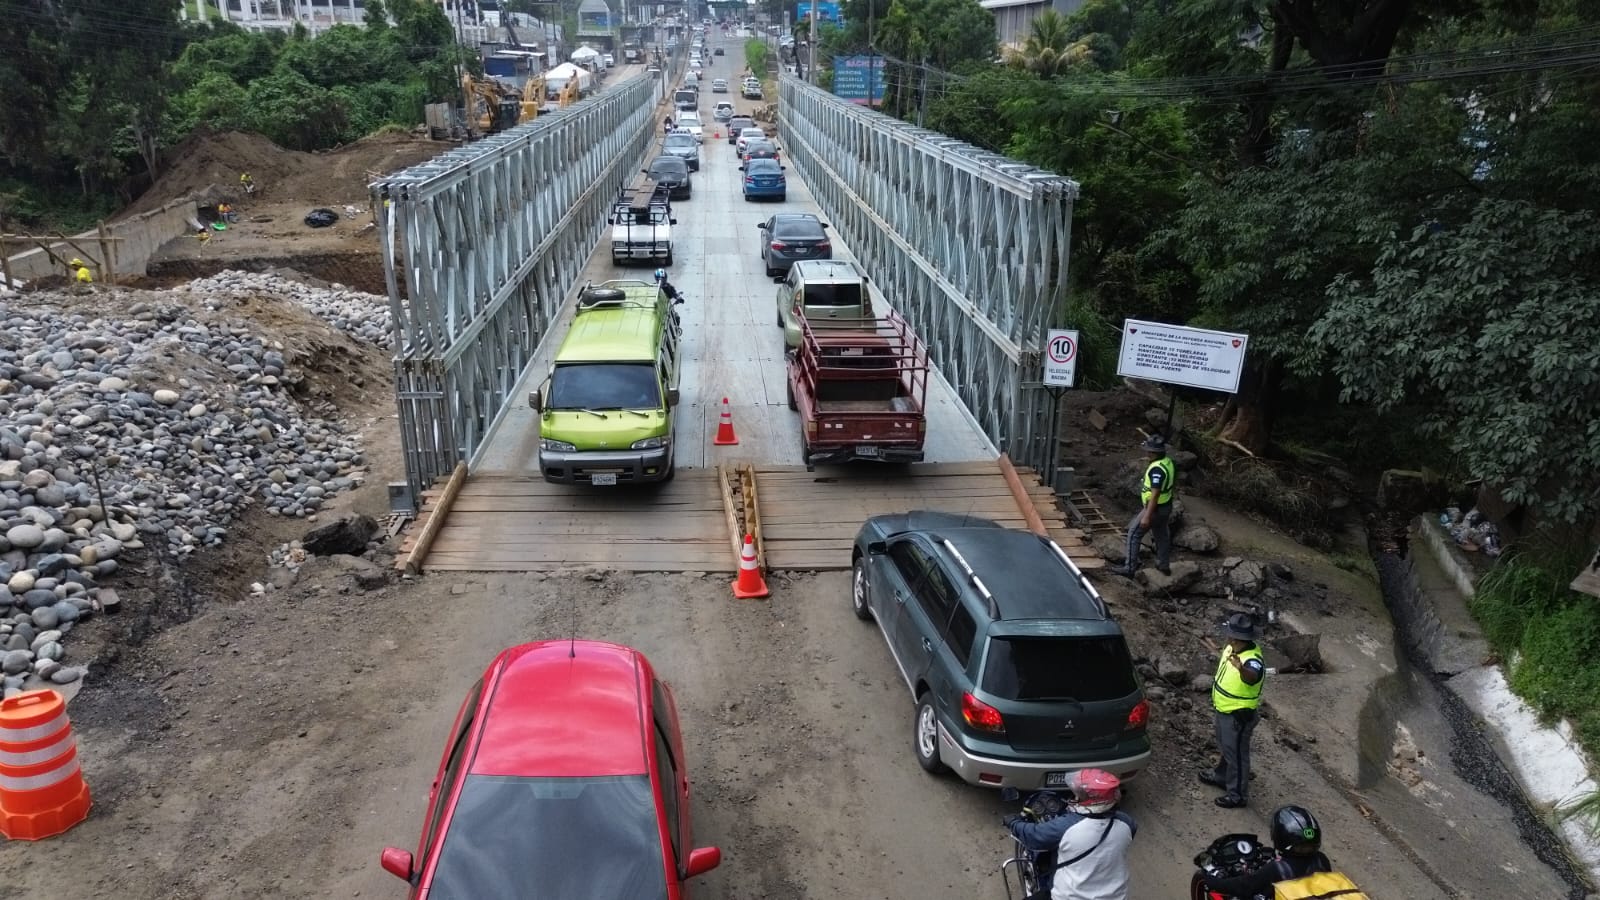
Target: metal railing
(971, 246)
(482, 245)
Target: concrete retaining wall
(140, 237)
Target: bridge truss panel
(482, 245)
(971, 246)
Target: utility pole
(811, 46)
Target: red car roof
(565, 709)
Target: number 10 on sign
(1061, 358)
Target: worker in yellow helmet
(80, 271)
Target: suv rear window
(1087, 669)
(833, 294)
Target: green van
(606, 410)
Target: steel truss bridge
(484, 244)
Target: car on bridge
(737, 125)
(763, 179)
(1018, 674)
(681, 143)
(690, 122)
(672, 173)
(719, 85)
(607, 409)
(723, 112)
(751, 89)
(746, 135)
(789, 238)
(564, 769)
(763, 149)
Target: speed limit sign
(1061, 358)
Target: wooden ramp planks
(512, 522)
(809, 519)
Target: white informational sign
(1176, 354)
(1061, 358)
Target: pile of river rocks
(364, 317)
(147, 427)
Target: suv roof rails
(1077, 573)
(977, 583)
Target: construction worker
(227, 213)
(248, 183)
(1235, 699)
(81, 272)
(1156, 493)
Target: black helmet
(1295, 831)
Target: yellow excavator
(491, 108)
(532, 97)
(568, 94)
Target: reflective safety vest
(1169, 481)
(84, 276)
(1229, 691)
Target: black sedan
(672, 173)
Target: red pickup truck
(860, 386)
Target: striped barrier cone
(42, 792)
(725, 436)
(750, 585)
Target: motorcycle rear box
(1321, 886)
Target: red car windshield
(557, 838)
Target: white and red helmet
(1093, 791)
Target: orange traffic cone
(42, 792)
(725, 435)
(750, 585)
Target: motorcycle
(1227, 857)
(1028, 867)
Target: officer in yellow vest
(80, 271)
(1235, 697)
(1156, 493)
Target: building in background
(1014, 18)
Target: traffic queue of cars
(564, 772)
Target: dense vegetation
(97, 89)
(1394, 198)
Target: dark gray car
(738, 124)
(672, 173)
(683, 146)
(1018, 672)
(789, 237)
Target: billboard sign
(859, 79)
(1177, 354)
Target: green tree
(1493, 326)
(295, 113)
(1049, 50)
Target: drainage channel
(1416, 692)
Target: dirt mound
(208, 165)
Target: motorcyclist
(666, 125)
(667, 288)
(1091, 841)
(1297, 838)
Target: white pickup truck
(641, 226)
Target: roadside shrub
(1525, 608)
(755, 56)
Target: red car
(563, 778)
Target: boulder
(1301, 652)
(1184, 574)
(1197, 538)
(1184, 459)
(1172, 671)
(348, 535)
(1247, 578)
(1111, 548)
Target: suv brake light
(1138, 717)
(778, 245)
(981, 715)
(824, 245)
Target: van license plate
(605, 480)
(867, 450)
(1055, 779)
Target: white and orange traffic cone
(725, 436)
(750, 585)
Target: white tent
(584, 53)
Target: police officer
(1235, 698)
(1156, 493)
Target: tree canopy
(1394, 198)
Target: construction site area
(263, 680)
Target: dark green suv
(1019, 673)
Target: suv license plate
(1056, 779)
(603, 480)
(867, 450)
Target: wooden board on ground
(514, 522)
(809, 519)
